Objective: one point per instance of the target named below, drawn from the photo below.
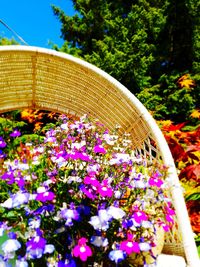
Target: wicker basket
(39, 78)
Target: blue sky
(33, 20)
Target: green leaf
(194, 196)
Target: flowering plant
(78, 195)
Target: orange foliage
(186, 81)
(195, 114)
(31, 115)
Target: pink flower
(99, 149)
(169, 214)
(91, 180)
(139, 216)
(82, 250)
(105, 190)
(155, 181)
(129, 246)
(45, 196)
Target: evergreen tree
(145, 44)
(179, 41)
(194, 12)
(118, 36)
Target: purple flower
(44, 209)
(2, 142)
(9, 176)
(35, 247)
(82, 250)
(45, 196)
(89, 192)
(68, 262)
(69, 215)
(15, 133)
(81, 156)
(2, 154)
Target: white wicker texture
(45, 79)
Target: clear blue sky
(33, 20)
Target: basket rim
(183, 220)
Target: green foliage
(194, 11)
(117, 36)
(144, 44)
(6, 41)
(167, 100)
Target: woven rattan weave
(32, 77)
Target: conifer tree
(118, 36)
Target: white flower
(116, 212)
(41, 189)
(8, 203)
(100, 222)
(146, 224)
(23, 166)
(117, 194)
(16, 200)
(64, 126)
(10, 246)
(71, 179)
(110, 139)
(21, 263)
(49, 249)
(78, 145)
(144, 246)
(120, 158)
(99, 241)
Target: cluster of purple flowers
(81, 195)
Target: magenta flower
(78, 155)
(91, 180)
(155, 181)
(105, 190)
(165, 227)
(99, 149)
(129, 246)
(45, 196)
(139, 216)
(2, 143)
(169, 214)
(82, 250)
